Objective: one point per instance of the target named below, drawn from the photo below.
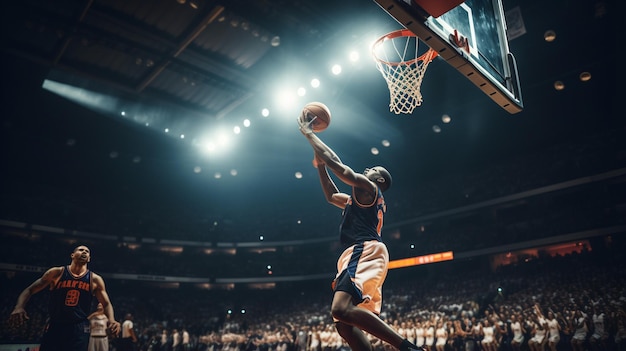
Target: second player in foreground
(72, 291)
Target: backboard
(471, 37)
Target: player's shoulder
(97, 280)
(54, 271)
(52, 274)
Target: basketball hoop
(396, 56)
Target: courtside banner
(419, 260)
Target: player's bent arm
(103, 298)
(19, 315)
(332, 161)
(325, 153)
(48, 278)
(350, 177)
(332, 194)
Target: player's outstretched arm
(18, 315)
(327, 156)
(340, 169)
(103, 297)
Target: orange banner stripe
(419, 260)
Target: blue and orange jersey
(71, 298)
(362, 222)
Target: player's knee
(339, 312)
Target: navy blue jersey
(71, 298)
(362, 222)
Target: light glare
(285, 99)
(354, 56)
(336, 69)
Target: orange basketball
(319, 110)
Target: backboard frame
(453, 46)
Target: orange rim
(429, 55)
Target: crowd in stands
(577, 301)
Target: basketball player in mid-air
(73, 288)
(362, 267)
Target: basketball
(319, 110)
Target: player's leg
(344, 310)
(356, 339)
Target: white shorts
(365, 267)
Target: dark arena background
(162, 134)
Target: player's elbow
(334, 202)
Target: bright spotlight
(285, 100)
(354, 56)
(265, 112)
(167, 130)
(315, 83)
(209, 147)
(298, 175)
(215, 143)
(336, 69)
(301, 91)
(374, 151)
(223, 140)
(236, 129)
(246, 123)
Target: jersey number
(71, 298)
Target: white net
(397, 60)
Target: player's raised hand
(305, 124)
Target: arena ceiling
(193, 66)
